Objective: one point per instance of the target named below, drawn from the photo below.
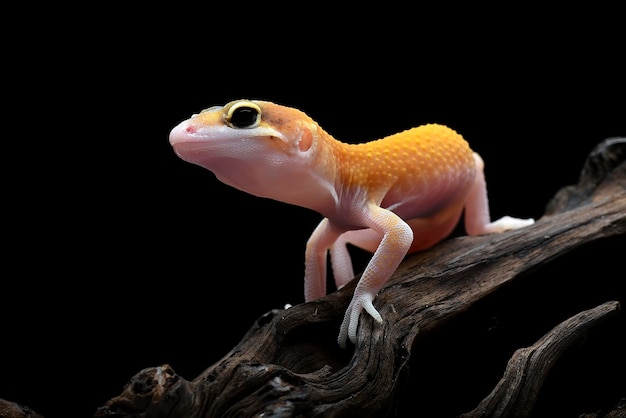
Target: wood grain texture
(289, 364)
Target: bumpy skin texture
(392, 196)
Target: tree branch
(289, 364)
(515, 394)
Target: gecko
(391, 196)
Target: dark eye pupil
(244, 117)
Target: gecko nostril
(190, 129)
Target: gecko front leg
(397, 237)
(340, 258)
(315, 259)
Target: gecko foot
(506, 223)
(350, 322)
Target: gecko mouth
(194, 152)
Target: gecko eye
(243, 115)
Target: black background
(120, 256)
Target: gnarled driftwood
(289, 364)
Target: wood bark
(289, 364)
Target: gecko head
(242, 129)
(256, 146)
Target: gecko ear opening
(306, 140)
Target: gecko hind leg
(477, 217)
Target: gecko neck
(330, 166)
